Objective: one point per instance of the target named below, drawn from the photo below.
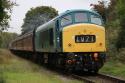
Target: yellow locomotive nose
(84, 38)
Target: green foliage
(112, 13)
(5, 10)
(121, 13)
(114, 68)
(17, 70)
(101, 8)
(121, 8)
(115, 27)
(37, 16)
(6, 38)
(106, 10)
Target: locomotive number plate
(85, 38)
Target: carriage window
(81, 17)
(66, 20)
(96, 19)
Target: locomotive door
(58, 37)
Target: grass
(17, 70)
(114, 68)
(30, 78)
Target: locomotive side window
(81, 17)
(51, 36)
(66, 20)
(95, 19)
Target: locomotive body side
(45, 38)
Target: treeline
(113, 14)
(6, 38)
(5, 10)
(37, 16)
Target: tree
(101, 8)
(6, 38)
(112, 11)
(5, 10)
(121, 13)
(37, 16)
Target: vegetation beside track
(16, 70)
(114, 15)
(114, 68)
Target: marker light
(69, 61)
(95, 56)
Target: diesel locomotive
(74, 40)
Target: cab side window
(95, 19)
(65, 20)
(51, 37)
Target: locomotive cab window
(96, 19)
(65, 20)
(81, 17)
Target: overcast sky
(19, 12)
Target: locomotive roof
(72, 11)
(77, 10)
(62, 14)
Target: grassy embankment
(17, 70)
(114, 68)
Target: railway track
(99, 78)
(90, 78)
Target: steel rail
(113, 78)
(99, 78)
